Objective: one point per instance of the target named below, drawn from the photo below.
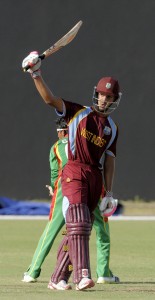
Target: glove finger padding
(108, 206)
(111, 208)
(33, 61)
(104, 202)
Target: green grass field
(132, 259)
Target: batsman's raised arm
(34, 63)
(47, 94)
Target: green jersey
(58, 158)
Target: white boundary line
(132, 218)
(14, 217)
(112, 218)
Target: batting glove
(34, 63)
(104, 203)
(108, 206)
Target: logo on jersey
(107, 130)
(97, 140)
(65, 141)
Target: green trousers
(101, 227)
(53, 227)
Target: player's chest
(97, 131)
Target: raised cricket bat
(65, 40)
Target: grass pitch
(132, 259)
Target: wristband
(36, 74)
(109, 194)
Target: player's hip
(82, 184)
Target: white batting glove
(108, 206)
(104, 203)
(34, 62)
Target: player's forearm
(47, 94)
(109, 171)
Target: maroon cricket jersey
(91, 135)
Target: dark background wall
(117, 38)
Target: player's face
(104, 101)
(61, 134)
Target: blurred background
(116, 39)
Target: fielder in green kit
(58, 159)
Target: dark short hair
(61, 123)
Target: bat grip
(41, 56)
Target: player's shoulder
(112, 122)
(75, 105)
(54, 145)
(64, 140)
(113, 125)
